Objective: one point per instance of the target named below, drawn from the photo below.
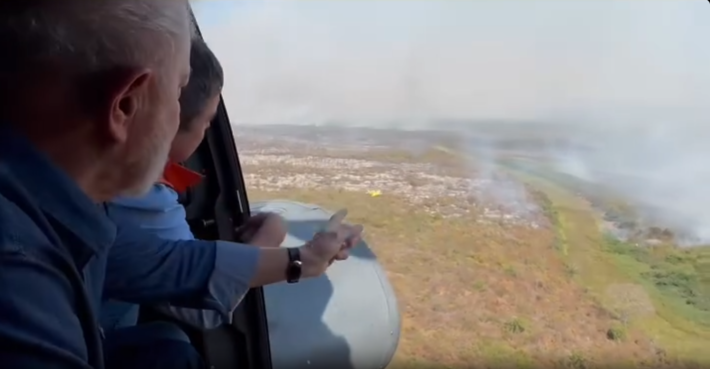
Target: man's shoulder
(159, 199)
(158, 211)
(19, 217)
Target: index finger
(336, 220)
(354, 236)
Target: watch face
(293, 273)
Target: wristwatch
(294, 268)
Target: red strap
(180, 178)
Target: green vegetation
(515, 325)
(575, 361)
(677, 277)
(662, 291)
(617, 333)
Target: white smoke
(629, 80)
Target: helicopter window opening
(465, 134)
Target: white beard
(158, 158)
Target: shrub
(514, 326)
(616, 333)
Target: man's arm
(271, 268)
(216, 275)
(39, 327)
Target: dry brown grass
(479, 294)
(488, 272)
(475, 290)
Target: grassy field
(661, 291)
(488, 294)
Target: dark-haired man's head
(199, 100)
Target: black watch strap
(294, 268)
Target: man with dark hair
(159, 210)
(89, 107)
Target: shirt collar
(55, 192)
(180, 178)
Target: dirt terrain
(489, 272)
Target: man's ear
(130, 91)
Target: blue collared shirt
(60, 255)
(160, 213)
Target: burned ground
(488, 271)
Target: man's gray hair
(87, 35)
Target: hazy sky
(311, 61)
(633, 75)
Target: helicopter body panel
(347, 318)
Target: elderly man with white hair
(88, 109)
